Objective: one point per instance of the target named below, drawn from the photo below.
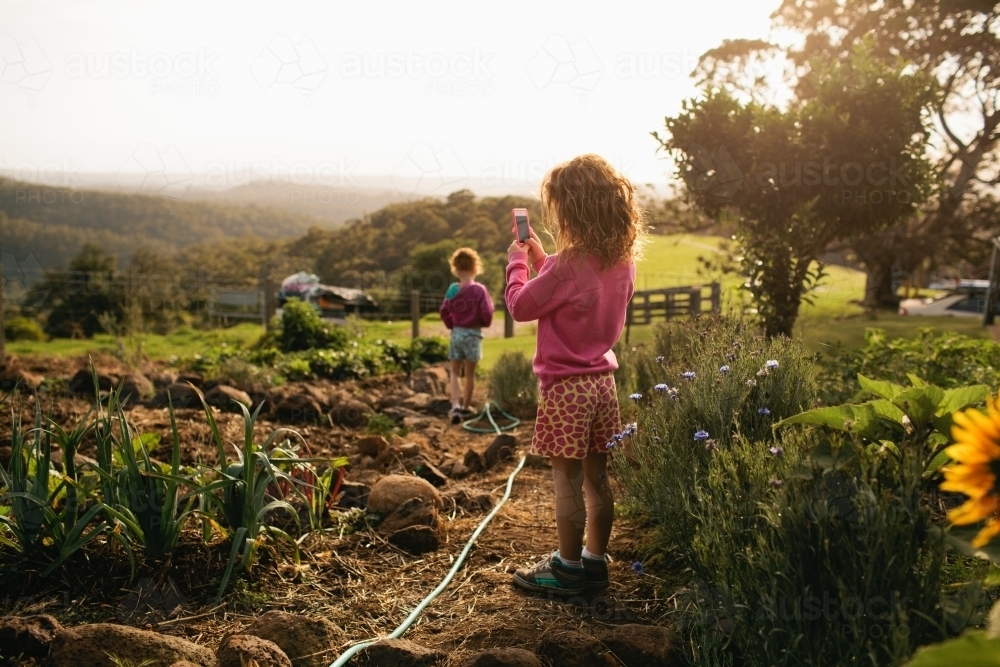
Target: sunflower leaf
(963, 397)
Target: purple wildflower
(636, 396)
(688, 375)
(660, 388)
(776, 451)
(763, 411)
(659, 360)
(701, 435)
(771, 364)
(637, 567)
(723, 369)
(776, 483)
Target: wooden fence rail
(672, 302)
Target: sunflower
(977, 455)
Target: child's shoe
(455, 414)
(595, 571)
(551, 575)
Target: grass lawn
(669, 261)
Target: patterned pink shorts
(576, 415)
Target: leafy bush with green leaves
(513, 385)
(426, 350)
(702, 386)
(302, 328)
(23, 328)
(944, 359)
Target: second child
(467, 309)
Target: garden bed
(350, 573)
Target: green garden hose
(405, 625)
(487, 414)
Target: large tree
(958, 41)
(844, 161)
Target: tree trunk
(878, 284)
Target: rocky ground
(408, 505)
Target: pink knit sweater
(580, 311)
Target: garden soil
(349, 574)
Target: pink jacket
(471, 308)
(580, 311)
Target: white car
(958, 304)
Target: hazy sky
(433, 94)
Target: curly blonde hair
(591, 209)
(466, 260)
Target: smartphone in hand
(520, 225)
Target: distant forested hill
(52, 223)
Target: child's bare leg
(470, 382)
(571, 513)
(600, 502)
(456, 394)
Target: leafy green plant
(23, 328)
(513, 385)
(150, 503)
(303, 329)
(40, 517)
(380, 424)
(943, 359)
(426, 350)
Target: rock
(537, 461)
(415, 539)
(392, 491)
(641, 645)
(372, 445)
(573, 649)
(418, 401)
(136, 387)
(473, 462)
(470, 500)
(82, 382)
(501, 449)
(417, 423)
(176, 394)
(89, 646)
(308, 642)
(504, 657)
(224, 397)
(190, 376)
(400, 653)
(27, 636)
(408, 449)
(353, 494)
(425, 470)
(239, 650)
(414, 512)
(432, 380)
(298, 408)
(14, 377)
(350, 412)
(400, 414)
(164, 378)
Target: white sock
(587, 554)
(570, 563)
(456, 406)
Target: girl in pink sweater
(579, 297)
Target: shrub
(23, 328)
(242, 374)
(303, 329)
(427, 350)
(943, 359)
(703, 385)
(513, 385)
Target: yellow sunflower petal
(975, 509)
(988, 532)
(969, 453)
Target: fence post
(628, 319)
(695, 301)
(3, 340)
(716, 298)
(508, 322)
(415, 311)
(270, 305)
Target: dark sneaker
(455, 414)
(595, 573)
(551, 575)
